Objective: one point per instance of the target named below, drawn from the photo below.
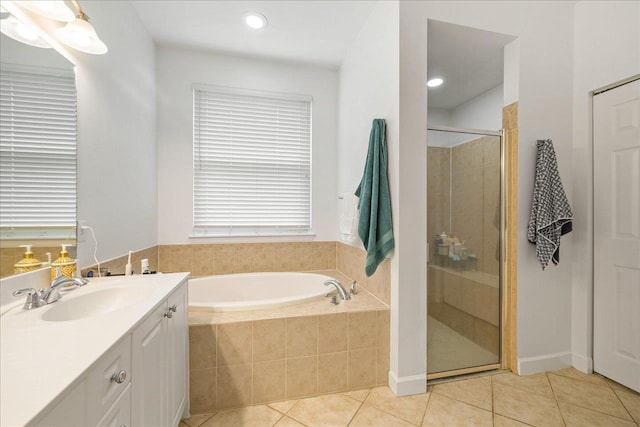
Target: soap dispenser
(64, 265)
(27, 263)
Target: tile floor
(560, 398)
(448, 350)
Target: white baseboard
(582, 363)
(546, 362)
(405, 386)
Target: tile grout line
(591, 408)
(620, 400)
(555, 398)
(353, 417)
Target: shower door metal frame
(502, 134)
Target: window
(37, 152)
(252, 162)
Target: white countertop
(40, 359)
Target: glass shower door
(463, 225)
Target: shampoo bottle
(64, 265)
(27, 263)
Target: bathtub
(253, 291)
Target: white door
(616, 141)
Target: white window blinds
(252, 162)
(37, 149)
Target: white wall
(14, 52)
(116, 134)
(483, 112)
(606, 50)
(369, 89)
(545, 103)
(177, 69)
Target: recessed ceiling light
(435, 82)
(255, 20)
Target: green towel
(374, 226)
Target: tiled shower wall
(475, 199)
(438, 192)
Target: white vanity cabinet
(160, 358)
(140, 381)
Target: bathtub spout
(343, 293)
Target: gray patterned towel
(551, 215)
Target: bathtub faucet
(343, 293)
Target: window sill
(251, 237)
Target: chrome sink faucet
(343, 293)
(42, 297)
(52, 294)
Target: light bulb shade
(80, 35)
(52, 9)
(15, 29)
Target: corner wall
(545, 93)
(606, 50)
(369, 89)
(116, 135)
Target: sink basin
(95, 303)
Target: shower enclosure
(464, 223)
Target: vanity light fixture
(80, 34)
(11, 27)
(52, 9)
(435, 82)
(255, 20)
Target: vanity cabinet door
(177, 350)
(149, 367)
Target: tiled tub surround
(467, 302)
(117, 265)
(228, 258)
(248, 358)
(10, 256)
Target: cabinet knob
(174, 308)
(169, 314)
(119, 377)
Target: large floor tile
(527, 407)
(536, 383)
(359, 395)
(500, 421)
(445, 412)
(596, 397)
(330, 411)
(288, 422)
(577, 375)
(631, 401)
(197, 420)
(575, 416)
(368, 416)
(476, 391)
(409, 408)
(253, 416)
(283, 406)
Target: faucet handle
(34, 299)
(352, 289)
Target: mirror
(49, 121)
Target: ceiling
(470, 60)
(316, 32)
(320, 32)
